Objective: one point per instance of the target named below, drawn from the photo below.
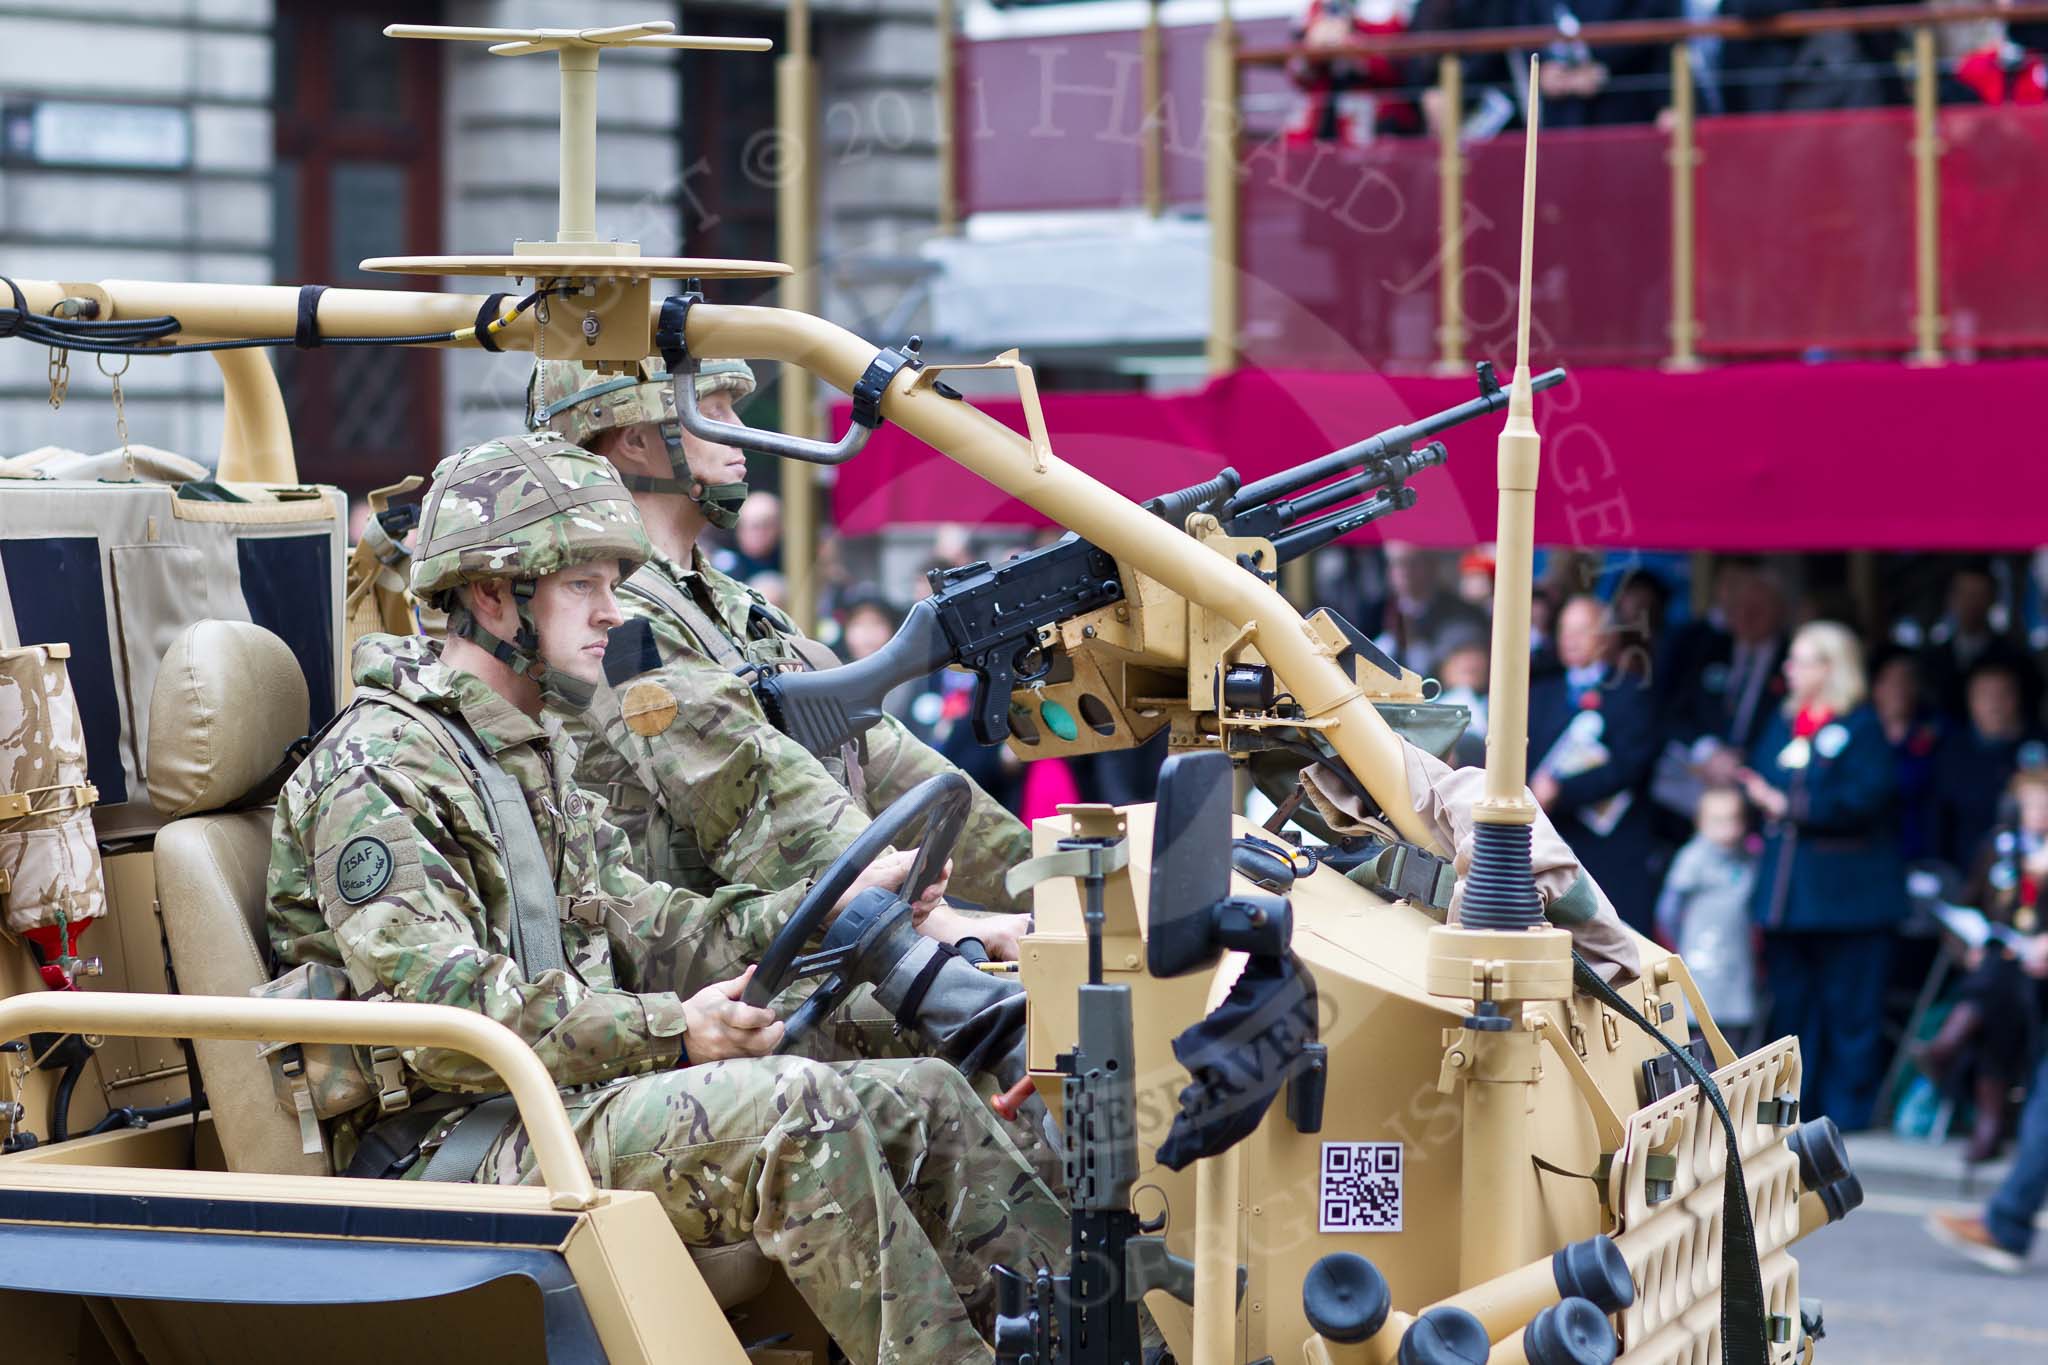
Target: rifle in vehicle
(987, 618)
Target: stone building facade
(259, 141)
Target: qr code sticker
(1361, 1187)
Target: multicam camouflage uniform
(384, 863)
(718, 794)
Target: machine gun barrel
(1293, 544)
(1275, 517)
(1394, 441)
(1174, 507)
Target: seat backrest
(229, 700)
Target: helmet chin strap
(522, 653)
(719, 502)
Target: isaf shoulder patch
(648, 708)
(381, 860)
(364, 868)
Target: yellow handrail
(1635, 32)
(555, 1151)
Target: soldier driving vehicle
(434, 847)
(1384, 1077)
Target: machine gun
(988, 618)
(1379, 465)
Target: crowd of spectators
(1353, 98)
(1751, 785)
(1748, 784)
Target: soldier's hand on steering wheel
(887, 871)
(722, 1025)
(933, 897)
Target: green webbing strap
(536, 914)
(1403, 871)
(1071, 862)
(462, 1151)
(1745, 1337)
(649, 586)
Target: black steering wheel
(941, 802)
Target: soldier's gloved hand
(998, 933)
(721, 1025)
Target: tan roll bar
(1303, 660)
(561, 1163)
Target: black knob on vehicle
(1594, 1269)
(1570, 1332)
(1823, 1159)
(1345, 1298)
(1446, 1336)
(1843, 1197)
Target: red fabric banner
(1762, 457)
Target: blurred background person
(1968, 637)
(1583, 86)
(1475, 578)
(1349, 99)
(756, 542)
(1641, 601)
(1465, 674)
(1422, 608)
(1974, 761)
(868, 620)
(773, 588)
(1495, 84)
(1719, 679)
(1830, 889)
(2001, 1236)
(1726, 672)
(1838, 70)
(1703, 911)
(1988, 1038)
(1914, 733)
(1594, 732)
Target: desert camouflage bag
(376, 602)
(50, 879)
(319, 1081)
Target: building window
(358, 175)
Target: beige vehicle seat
(229, 700)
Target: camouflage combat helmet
(521, 508)
(578, 402)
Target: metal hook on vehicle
(754, 440)
(669, 334)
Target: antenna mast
(1503, 954)
(577, 51)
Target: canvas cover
(117, 570)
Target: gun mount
(1074, 652)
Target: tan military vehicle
(1334, 1088)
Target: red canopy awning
(1766, 457)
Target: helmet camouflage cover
(522, 507)
(578, 401)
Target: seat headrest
(229, 701)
